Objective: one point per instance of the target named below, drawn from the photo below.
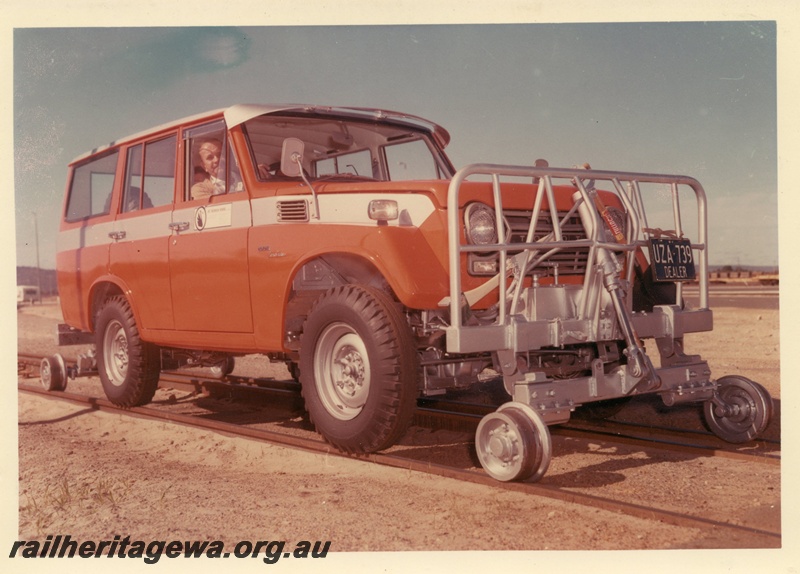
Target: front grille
(568, 261)
(294, 210)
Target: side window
(410, 160)
(356, 163)
(150, 175)
(133, 180)
(91, 187)
(211, 166)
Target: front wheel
(128, 367)
(358, 369)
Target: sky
(695, 98)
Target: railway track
(464, 416)
(449, 414)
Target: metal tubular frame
(628, 189)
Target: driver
(208, 169)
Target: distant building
(28, 294)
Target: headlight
(481, 224)
(383, 210)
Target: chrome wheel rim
(342, 371)
(46, 373)
(115, 353)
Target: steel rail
(668, 445)
(318, 446)
(462, 416)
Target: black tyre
(358, 369)
(128, 367)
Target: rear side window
(411, 160)
(150, 175)
(91, 187)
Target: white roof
(240, 113)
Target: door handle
(116, 235)
(179, 225)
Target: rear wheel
(128, 367)
(358, 369)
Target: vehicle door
(208, 247)
(139, 252)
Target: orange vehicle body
(227, 289)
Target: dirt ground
(95, 475)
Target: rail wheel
(54, 373)
(358, 369)
(513, 443)
(223, 368)
(743, 411)
(128, 367)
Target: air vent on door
(295, 210)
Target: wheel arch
(101, 291)
(316, 274)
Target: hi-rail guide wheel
(513, 443)
(223, 368)
(741, 410)
(53, 372)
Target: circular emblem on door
(200, 218)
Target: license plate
(672, 259)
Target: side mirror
(292, 166)
(292, 157)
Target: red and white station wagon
(343, 242)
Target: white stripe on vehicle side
(347, 208)
(232, 215)
(150, 225)
(337, 209)
(89, 236)
(145, 226)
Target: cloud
(182, 52)
(224, 48)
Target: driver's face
(209, 155)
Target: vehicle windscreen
(345, 150)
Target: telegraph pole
(38, 269)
